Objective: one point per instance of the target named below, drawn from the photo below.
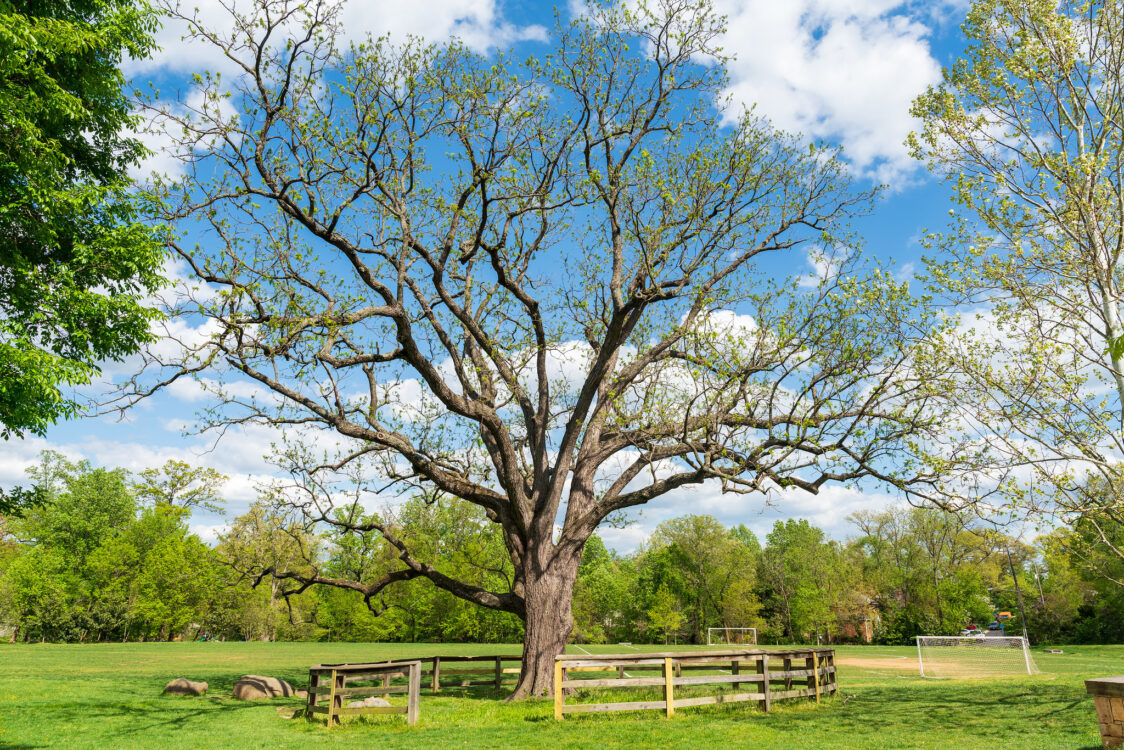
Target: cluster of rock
(252, 687)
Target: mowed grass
(109, 696)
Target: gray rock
(255, 687)
(184, 686)
(368, 703)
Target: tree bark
(548, 592)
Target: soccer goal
(973, 656)
(731, 636)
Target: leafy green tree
(175, 585)
(665, 614)
(257, 546)
(155, 574)
(76, 260)
(89, 567)
(182, 485)
(718, 567)
(805, 580)
(601, 594)
(1028, 127)
(662, 352)
(87, 506)
(38, 594)
(929, 572)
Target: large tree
(553, 289)
(1028, 127)
(76, 260)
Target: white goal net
(731, 636)
(973, 656)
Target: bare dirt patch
(877, 662)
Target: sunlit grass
(109, 696)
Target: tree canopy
(77, 258)
(1028, 128)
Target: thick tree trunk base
(549, 620)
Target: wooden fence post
(499, 672)
(787, 676)
(736, 668)
(669, 686)
(810, 664)
(558, 698)
(435, 685)
(313, 684)
(816, 674)
(333, 717)
(763, 670)
(412, 697)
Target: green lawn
(108, 696)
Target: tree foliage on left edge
(75, 258)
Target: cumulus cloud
(828, 510)
(477, 23)
(842, 70)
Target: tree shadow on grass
(156, 714)
(993, 713)
(984, 711)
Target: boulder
(255, 687)
(183, 686)
(368, 703)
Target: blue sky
(843, 71)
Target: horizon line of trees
(110, 557)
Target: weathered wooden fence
(490, 668)
(773, 675)
(330, 681)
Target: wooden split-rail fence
(329, 682)
(491, 669)
(773, 675)
(334, 683)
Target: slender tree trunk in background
(937, 593)
(549, 574)
(1018, 593)
(270, 633)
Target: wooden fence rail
(754, 667)
(492, 670)
(330, 681)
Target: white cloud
(477, 23)
(824, 268)
(841, 70)
(828, 510)
(208, 532)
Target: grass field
(109, 696)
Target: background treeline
(109, 556)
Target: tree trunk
(548, 592)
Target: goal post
(973, 656)
(731, 636)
